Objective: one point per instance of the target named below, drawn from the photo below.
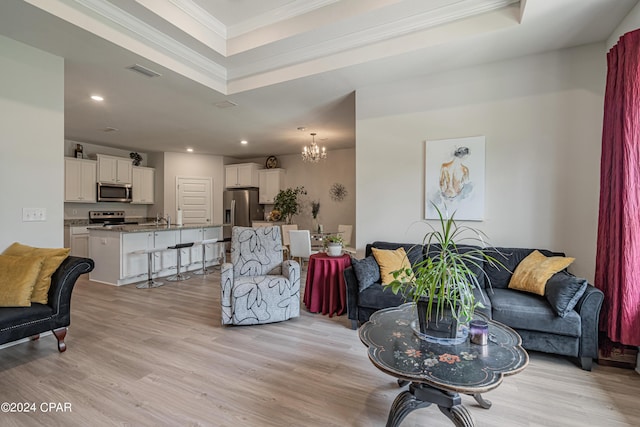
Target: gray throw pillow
(367, 271)
(563, 291)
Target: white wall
(192, 166)
(31, 144)
(629, 23)
(542, 118)
(317, 179)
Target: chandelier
(311, 153)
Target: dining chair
(285, 237)
(345, 231)
(300, 245)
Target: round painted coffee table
(438, 373)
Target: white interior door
(194, 198)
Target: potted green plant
(442, 284)
(287, 203)
(333, 244)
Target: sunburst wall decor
(338, 192)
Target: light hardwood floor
(160, 357)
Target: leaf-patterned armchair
(258, 286)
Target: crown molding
(200, 15)
(155, 39)
(371, 35)
(282, 13)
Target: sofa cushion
(523, 310)
(53, 257)
(366, 270)
(390, 261)
(377, 297)
(481, 297)
(414, 251)
(532, 273)
(18, 276)
(563, 291)
(476, 265)
(13, 317)
(498, 276)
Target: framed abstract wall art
(454, 178)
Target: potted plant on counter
(287, 203)
(333, 244)
(442, 284)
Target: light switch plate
(34, 214)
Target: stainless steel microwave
(109, 192)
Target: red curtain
(618, 248)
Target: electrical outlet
(34, 214)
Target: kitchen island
(118, 250)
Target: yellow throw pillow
(390, 261)
(18, 276)
(53, 257)
(532, 273)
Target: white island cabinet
(119, 253)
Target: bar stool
(179, 276)
(150, 283)
(204, 271)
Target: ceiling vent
(144, 70)
(226, 104)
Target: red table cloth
(325, 291)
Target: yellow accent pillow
(18, 276)
(390, 261)
(53, 257)
(532, 273)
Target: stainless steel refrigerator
(241, 207)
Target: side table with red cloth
(325, 291)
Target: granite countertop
(140, 228)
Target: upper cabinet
(117, 170)
(242, 175)
(271, 182)
(79, 180)
(142, 185)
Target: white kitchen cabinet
(135, 264)
(79, 241)
(214, 251)
(162, 240)
(193, 254)
(79, 180)
(142, 185)
(117, 263)
(242, 175)
(116, 170)
(271, 182)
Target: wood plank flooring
(159, 357)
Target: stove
(107, 218)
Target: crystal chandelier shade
(312, 153)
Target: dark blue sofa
(532, 316)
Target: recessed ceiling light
(97, 98)
(190, 150)
(244, 142)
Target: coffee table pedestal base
(422, 395)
